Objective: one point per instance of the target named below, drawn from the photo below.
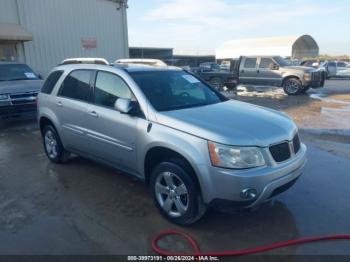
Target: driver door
(111, 134)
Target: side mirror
(40, 76)
(124, 106)
(273, 66)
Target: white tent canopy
(287, 46)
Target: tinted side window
(77, 85)
(51, 82)
(250, 63)
(265, 62)
(109, 88)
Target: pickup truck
(277, 71)
(211, 73)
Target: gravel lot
(84, 208)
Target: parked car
(190, 144)
(19, 87)
(335, 68)
(225, 65)
(277, 71)
(213, 75)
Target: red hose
(196, 251)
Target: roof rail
(141, 61)
(84, 60)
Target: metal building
(44, 32)
(296, 47)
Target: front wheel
(176, 194)
(292, 86)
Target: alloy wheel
(51, 144)
(172, 194)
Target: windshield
(12, 72)
(171, 90)
(282, 62)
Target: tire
(216, 82)
(53, 146)
(292, 86)
(175, 193)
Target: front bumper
(314, 84)
(18, 110)
(227, 185)
(317, 80)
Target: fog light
(249, 194)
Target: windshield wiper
(185, 106)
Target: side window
(108, 88)
(250, 63)
(265, 62)
(77, 85)
(341, 64)
(51, 82)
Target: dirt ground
(83, 208)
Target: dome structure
(296, 47)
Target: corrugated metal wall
(8, 12)
(58, 26)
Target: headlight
(4, 97)
(307, 76)
(235, 157)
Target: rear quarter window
(51, 82)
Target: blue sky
(199, 26)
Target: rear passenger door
(112, 135)
(71, 107)
(248, 70)
(265, 75)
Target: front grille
(316, 76)
(283, 188)
(296, 143)
(24, 95)
(280, 152)
(23, 98)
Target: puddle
(334, 116)
(324, 98)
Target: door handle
(93, 114)
(59, 103)
(258, 71)
(242, 71)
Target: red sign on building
(89, 43)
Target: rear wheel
(292, 86)
(53, 145)
(176, 194)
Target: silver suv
(189, 143)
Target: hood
(9, 87)
(232, 123)
(300, 68)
